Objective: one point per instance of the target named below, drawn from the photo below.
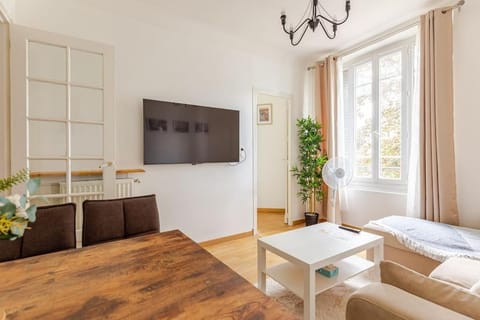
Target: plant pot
(311, 218)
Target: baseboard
(271, 210)
(297, 222)
(302, 221)
(228, 238)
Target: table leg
(378, 257)
(309, 294)
(261, 268)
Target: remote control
(349, 229)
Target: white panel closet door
(62, 119)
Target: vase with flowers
(15, 209)
(16, 212)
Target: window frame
(407, 49)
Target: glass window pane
(47, 61)
(87, 104)
(87, 140)
(87, 68)
(53, 177)
(390, 139)
(47, 139)
(47, 100)
(87, 165)
(363, 112)
(390, 65)
(363, 74)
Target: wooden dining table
(158, 276)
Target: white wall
(168, 58)
(467, 112)
(272, 155)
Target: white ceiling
(258, 21)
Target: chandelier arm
(333, 21)
(301, 37)
(300, 25)
(326, 32)
(285, 29)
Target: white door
(62, 116)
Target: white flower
(15, 199)
(21, 213)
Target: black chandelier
(317, 18)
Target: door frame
(289, 98)
(4, 95)
(18, 101)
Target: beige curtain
(438, 200)
(326, 114)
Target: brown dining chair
(54, 230)
(141, 216)
(103, 220)
(109, 220)
(10, 250)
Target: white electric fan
(337, 173)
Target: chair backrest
(54, 230)
(10, 250)
(109, 220)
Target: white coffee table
(310, 248)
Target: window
(378, 96)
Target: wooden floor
(241, 254)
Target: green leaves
(9, 182)
(32, 185)
(311, 160)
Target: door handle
(106, 164)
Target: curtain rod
(456, 6)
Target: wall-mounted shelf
(39, 174)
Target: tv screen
(184, 133)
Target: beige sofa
(395, 251)
(406, 294)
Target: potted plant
(309, 171)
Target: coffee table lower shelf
(291, 276)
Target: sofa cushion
(381, 301)
(462, 272)
(476, 289)
(446, 295)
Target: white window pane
(363, 74)
(47, 139)
(363, 112)
(86, 165)
(87, 140)
(49, 184)
(47, 100)
(87, 104)
(390, 65)
(87, 68)
(390, 142)
(47, 61)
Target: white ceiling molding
(4, 18)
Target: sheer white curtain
(339, 136)
(413, 191)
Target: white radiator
(93, 190)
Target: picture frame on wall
(264, 113)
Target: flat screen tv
(184, 133)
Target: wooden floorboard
(241, 254)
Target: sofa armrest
(385, 302)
